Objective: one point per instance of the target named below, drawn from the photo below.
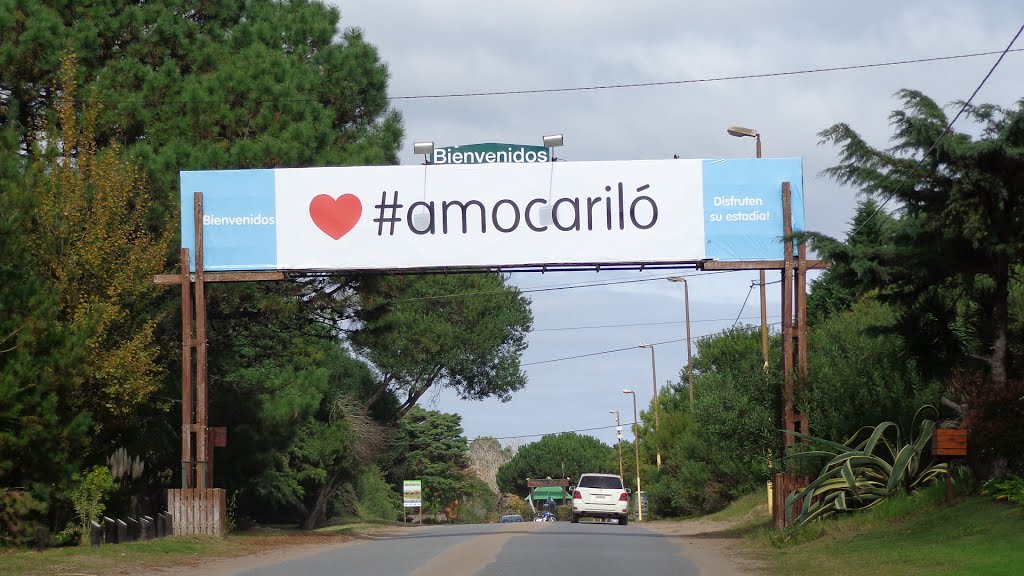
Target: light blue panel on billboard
(239, 219)
(743, 206)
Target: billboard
(412, 493)
(375, 218)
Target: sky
(457, 46)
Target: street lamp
(618, 438)
(741, 132)
(689, 353)
(636, 448)
(654, 380)
(424, 148)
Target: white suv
(600, 496)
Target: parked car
(600, 496)
(511, 518)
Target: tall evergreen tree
(949, 262)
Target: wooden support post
(787, 314)
(186, 372)
(201, 400)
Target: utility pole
(689, 347)
(618, 437)
(636, 449)
(657, 410)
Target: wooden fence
(198, 510)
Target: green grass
(113, 558)
(917, 535)
(755, 504)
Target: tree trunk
(1000, 325)
(318, 513)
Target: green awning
(553, 492)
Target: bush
(376, 498)
(1006, 489)
(515, 505)
(563, 512)
(18, 512)
(87, 497)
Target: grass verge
(141, 557)
(916, 535)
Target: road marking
(469, 557)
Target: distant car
(600, 496)
(511, 518)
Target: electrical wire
(947, 130)
(799, 72)
(624, 424)
(634, 347)
(693, 80)
(557, 287)
(752, 284)
(631, 325)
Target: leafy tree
(255, 83)
(860, 374)
(725, 445)
(565, 455)
(948, 264)
(41, 441)
(87, 494)
(430, 447)
(376, 497)
(89, 237)
(853, 272)
(300, 434)
(463, 331)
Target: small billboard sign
(412, 493)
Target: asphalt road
(529, 548)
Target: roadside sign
(412, 492)
(546, 482)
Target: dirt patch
(712, 545)
(252, 551)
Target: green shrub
(18, 513)
(376, 498)
(1006, 489)
(88, 495)
(563, 512)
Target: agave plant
(874, 464)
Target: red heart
(335, 217)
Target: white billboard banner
(492, 215)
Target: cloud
(449, 46)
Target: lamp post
(424, 148)
(741, 132)
(636, 448)
(689, 353)
(618, 438)
(657, 410)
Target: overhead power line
(1009, 48)
(696, 80)
(624, 424)
(633, 347)
(634, 324)
(556, 287)
(237, 99)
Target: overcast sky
(453, 46)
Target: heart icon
(335, 217)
